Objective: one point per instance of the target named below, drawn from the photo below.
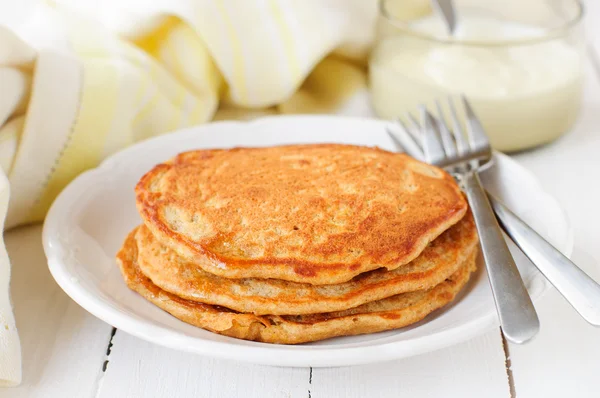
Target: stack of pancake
(299, 243)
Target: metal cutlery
(447, 147)
(581, 291)
(448, 12)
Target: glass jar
(518, 62)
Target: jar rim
(550, 34)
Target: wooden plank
(475, 368)
(63, 346)
(137, 368)
(564, 359)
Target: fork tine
(414, 131)
(405, 141)
(415, 127)
(447, 140)
(461, 143)
(432, 147)
(477, 138)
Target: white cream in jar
(526, 93)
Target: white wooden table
(69, 353)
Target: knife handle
(581, 291)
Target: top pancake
(318, 214)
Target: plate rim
(272, 354)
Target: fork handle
(581, 291)
(518, 318)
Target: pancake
(170, 272)
(390, 313)
(318, 214)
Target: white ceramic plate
(89, 220)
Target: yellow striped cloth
(81, 80)
(81, 90)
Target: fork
(448, 148)
(579, 289)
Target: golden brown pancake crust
(390, 313)
(318, 214)
(170, 272)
